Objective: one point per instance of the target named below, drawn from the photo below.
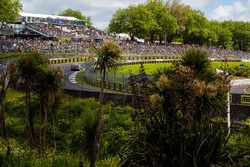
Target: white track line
(72, 77)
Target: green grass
(149, 68)
(14, 95)
(153, 67)
(229, 64)
(80, 81)
(123, 71)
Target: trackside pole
(228, 112)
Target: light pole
(228, 95)
(228, 110)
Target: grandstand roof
(47, 16)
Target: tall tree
(7, 75)
(136, 21)
(29, 71)
(77, 14)
(49, 85)
(166, 24)
(241, 34)
(9, 10)
(220, 36)
(108, 56)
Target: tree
(220, 36)
(197, 60)
(7, 76)
(49, 85)
(166, 24)
(29, 67)
(84, 135)
(192, 23)
(240, 34)
(136, 21)
(108, 56)
(9, 10)
(179, 115)
(77, 14)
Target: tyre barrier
(68, 60)
(130, 59)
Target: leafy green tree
(9, 10)
(108, 56)
(29, 67)
(222, 37)
(241, 34)
(166, 24)
(192, 23)
(77, 14)
(136, 21)
(49, 86)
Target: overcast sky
(101, 10)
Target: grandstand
(39, 18)
(60, 35)
(42, 29)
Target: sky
(101, 10)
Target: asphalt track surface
(243, 89)
(68, 84)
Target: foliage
(240, 72)
(134, 20)
(9, 10)
(178, 116)
(160, 20)
(239, 144)
(109, 55)
(198, 61)
(240, 34)
(77, 14)
(166, 24)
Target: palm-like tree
(6, 78)
(179, 117)
(29, 70)
(198, 61)
(108, 56)
(49, 86)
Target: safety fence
(109, 85)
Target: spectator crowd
(128, 47)
(67, 31)
(73, 38)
